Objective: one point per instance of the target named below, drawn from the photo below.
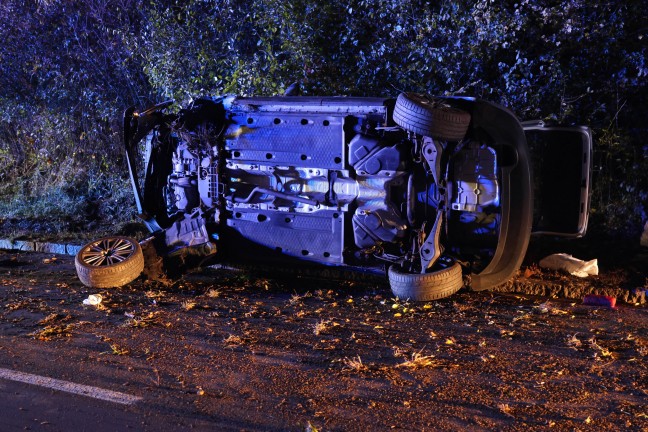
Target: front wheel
(426, 286)
(430, 117)
(109, 262)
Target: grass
(66, 201)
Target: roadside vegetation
(70, 68)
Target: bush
(70, 68)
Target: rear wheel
(429, 117)
(426, 286)
(109, 262)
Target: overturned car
(437, 192)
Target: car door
(562, 167)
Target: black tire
(425, 287)
(109, 262)
(421, 115)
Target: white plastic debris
(572, 265)
(93, 300)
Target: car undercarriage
(435, 190)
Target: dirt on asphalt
(247, 352)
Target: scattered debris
(599, 300)
(155, 295)
(296, 299)
(355, 356)
(52, 332)
(354, 364)
(507, 333)
(505, 409)
(572, 265)
(419, 361)
(49, 319)
(530, 271)
(93, 300)
(213, 293)
(188, 305)
(573, 341)
(17, 305)
(547, 307)
(604, 352)
(311, 428)
(117, 350)
(233, 340)
(152, 318)
(320, 327)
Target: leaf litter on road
(546, 380)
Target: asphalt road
(230, 351)
(36, 408)
(39, 407)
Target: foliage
(69, 68)
(620, 195)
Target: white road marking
(69, 387)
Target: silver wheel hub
(107, 252)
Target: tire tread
(449, 124)
(428, 286)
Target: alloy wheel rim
(107, 252)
